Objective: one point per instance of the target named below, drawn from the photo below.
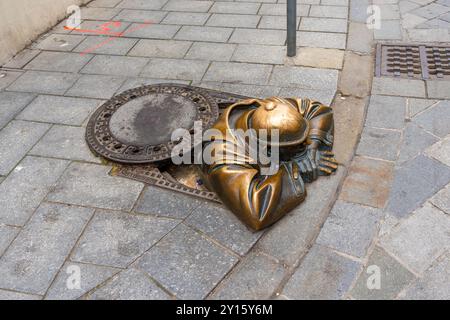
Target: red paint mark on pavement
(105, 29)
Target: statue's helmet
(283, 115)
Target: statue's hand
(308, 164)
(327, 163)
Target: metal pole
(291, 28)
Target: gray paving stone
(140, 16)
(389, 30)
(208, 34)
(238, 73)
(324, 96)
(161, 48)
(104, 3)
(444, 2)
(335, 2)
(96, 27)
(321, 40)
(142, 4)
(350, 228)
(415, 140)
(441, 151)
(411, 21)
(138, 82)
(7, 235)
(44, 82)
(258, 36)
(117, 239)
(393, 278)
(406, 6)
(389, 12)
(418, 105)
(435, 119)
(24, 189)
(386, 112)
(360, 38)
(290, 238)
(306, 78)
(252, 53)
(420, 239)
(438, 89)
(368, 182)
(274, 22)
(211, 51)
(96, 86)
(58, 61)
(90, 185)
(35, 256)
(186, 263)
(12, 295)
(379, 143)
(243, 89)
(325, 11)
(323, 24)
(188, 5)
(435, 23)
(358, 10)
(89, 13)
(130, 284)
(61, 110)
(349, 85)
(415, 182)
(398, 87)
(11, 103)
(65, 142)
(332, 274)
(445, 17)
(434, 284)
(175, 69)
(151, 31)
(233, 20)
(59, 42)
(8, 77)
(16, 139)
(431, 11)
(223, 226)
(429, 35)
(279, 9)
(21, 59)
(162, 202)
(102, 45)
(115, 65)
(186, 18)
(90, 277)
(256, 277)
(239, 8)
(442, 199)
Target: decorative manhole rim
(103, 143)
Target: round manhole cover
(136, 125)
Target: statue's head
(283, 115)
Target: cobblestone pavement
(392, 213)
(62, 213)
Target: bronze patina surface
(306, 139)
(136, 125)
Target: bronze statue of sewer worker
(305, 130)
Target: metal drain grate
(413, 61)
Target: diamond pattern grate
(413, 61)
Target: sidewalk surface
(386, 211)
